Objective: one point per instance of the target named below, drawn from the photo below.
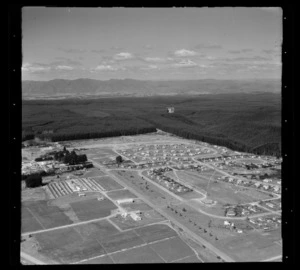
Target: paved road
(224, 256)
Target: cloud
(155, 59)
(71, 50)
(123, 56)
(240, 51)
(184, 53)
(66, 61)
(207, 46)
(34, 68)
(150, 67)
(64, 68)
(185, 63)
(104, 67)
(245, 59)
(98, 51)
(148, 47)
(116, 48)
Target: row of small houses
(246, 183)
(168, 182)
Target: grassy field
(93, 173)
(47, 216)
(92, 209)
(155, 232)
(108, 183)
(67, 245)
(121, 194)
(222, 192)
(143, 254)
(29, 223)
(251, 247)
(172, 249)
(96, 230)
(121, 241)
(99, 260)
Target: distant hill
(88, 88)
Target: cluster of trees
(81, 135)
(240, 122)
(70, 158)
(44, 158)
(34, 180)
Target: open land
(168, 201)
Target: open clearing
(172, 249)
(252, 247)
(67, 245)
(107, 183)
(47, 216)
(143, 254)
(92, 209)
(121, 194)
(96, 230)
(121, 241)
(221, 191)
(93, 173)
(155, 232)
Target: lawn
(92, 209)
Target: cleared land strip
(195, 236)
(69, 225)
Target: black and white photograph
(151, 135)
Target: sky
(151, 43)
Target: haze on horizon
(151, 43)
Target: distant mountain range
(88, 88)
